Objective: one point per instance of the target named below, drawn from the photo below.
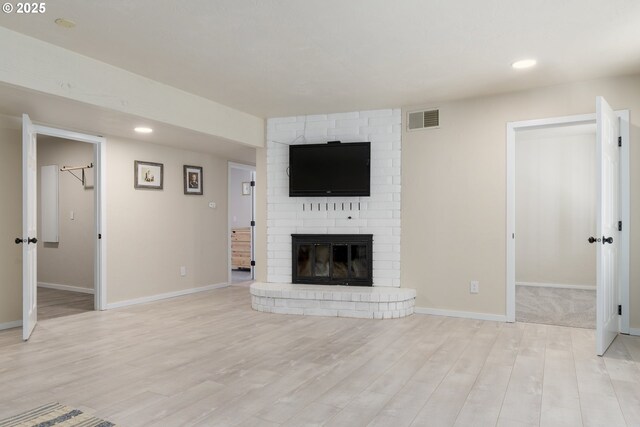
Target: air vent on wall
(426, 119)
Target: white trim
(557, 286)
(625, 217)
(10, 325)
(634, 331)
(65, 287)
(553, 121)
(624, 209)
(100, 281)
(511, 226)
(159, 297)
(463, 314)
(67, 134)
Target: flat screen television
(331, 169)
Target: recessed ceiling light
(525, 63)
(142, 129)
(65, 23)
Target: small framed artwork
(246, 188)
(192, 180)
(148, 175)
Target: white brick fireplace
(378, 214)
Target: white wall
(240, 209)
(555, 207)
(379, 214)
(69, 262)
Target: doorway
(241, 222)
(555, 181)
(66, 220)
(612, 213)
(30, 226)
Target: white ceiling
(71, 115)
(286, 57)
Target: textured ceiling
(285, 57)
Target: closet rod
(73, 168)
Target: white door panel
(29, 228)
(607, 217)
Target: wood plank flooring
(54, 303)
(209, 360)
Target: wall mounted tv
(331, 169)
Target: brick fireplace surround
(378, 215)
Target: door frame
(625, 203)
(252, 169)
(100, 205)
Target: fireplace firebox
(332, 259)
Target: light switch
(72, 215)
(212, 205)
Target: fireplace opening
(332, 259)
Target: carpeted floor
(556, 306)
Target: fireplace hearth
(332, 259)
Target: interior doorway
(555, 182)
(611, 239)
(66, 219)
(30, 225)
(241, 222)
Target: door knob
(18, 240)
(607, 240)
(593, 239)
(32, 240)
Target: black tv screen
(332, 169)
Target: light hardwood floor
(208, 359)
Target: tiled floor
(208, 359)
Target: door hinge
(619, 310)
(619, 225)
(253, 183)
(253, 223)
(619, 141)
(99, 236)
(253, 263)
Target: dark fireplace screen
(332, 259)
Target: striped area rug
(54, 414)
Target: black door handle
(18, 240)
(593, 240)
(32, 240)
(607, 240)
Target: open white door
(607, 217)
(29, 228)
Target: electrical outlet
(183, 271)
(474, 287)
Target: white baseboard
(158, 297)
(463, 314)
(9, 325)
(557, 286)
(634, 331)
(65, 287)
